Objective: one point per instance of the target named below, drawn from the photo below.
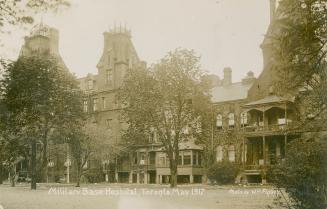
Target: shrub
(303, 174)
(223, 172)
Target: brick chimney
(227, 80)
(249, 78)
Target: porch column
(285, 146)
(159, 179)
(130, 177)
(138, 178)
(243, 153)
(264, 149)
(146, 177)
(116, 176)
(191, 179)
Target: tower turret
(118, 55)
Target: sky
(225, 33)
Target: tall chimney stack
(227, 80)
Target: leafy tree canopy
(167, 100)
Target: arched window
(244, 118)
(231, 119)
(219, 122)
(219, 154)
(231, 153)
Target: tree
(303, 174)
(298, 60)
(13, 12)
(92, 142)
(169, 99)
(299, 40)
(39, 97)
(18, 12)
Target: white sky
(223, 32)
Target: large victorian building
(143, 163)
(251, 121)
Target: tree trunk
(173, 173)
(78, 180)
(1, 173)
(44, 167)
(33, 165)
(12, 175)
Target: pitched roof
(269, 99)
(235, 91)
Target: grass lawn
(113, 196)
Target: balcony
(273, 129)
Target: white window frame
(109, 76)
(231, 153)
(231, 119)
(85, 106)
(95, 104)
(219, 120)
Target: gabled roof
(235, 91)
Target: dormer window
(90, 84)
(219, 121)
(109, 77)
(231, 120)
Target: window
(199, 159)
(85, 106)
(162, 161)
(109, 124)
(152, 158)
(180, 159)
(95, 104)
(109, 60)
(135, 158)
(90, 84)
(104, 106)
(231, 153)
(231, 120)
(109, 76)
(194, 158)
(187, 159)
(185, 130)
(142, 158)
(244, 118)
(219, 122)
(219, 154)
